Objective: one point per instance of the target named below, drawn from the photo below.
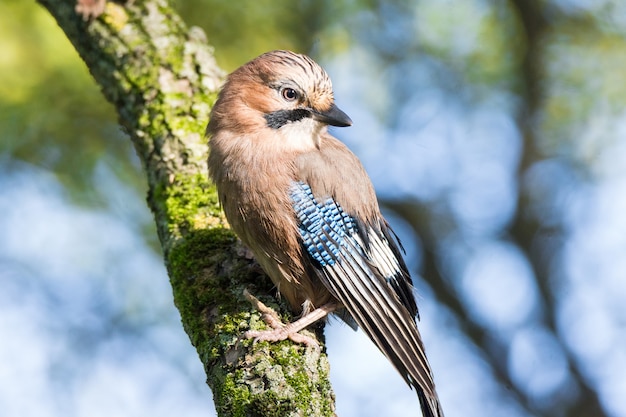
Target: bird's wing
(362, 268)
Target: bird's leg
(281, 331)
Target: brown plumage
(303, 203)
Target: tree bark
(162, 78)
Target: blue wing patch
(332, 238)
(323, 227)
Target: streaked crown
(280, 69)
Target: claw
(281, 331)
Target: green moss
(198, 252)
(198, 289)
(234, 399)
(202, 107)
(210, 299)
(115, 16)
(191, 203)
(190, 254)
(177, 56)
(186, 123)
(269, 403)
(293, 361)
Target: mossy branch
(162, 78)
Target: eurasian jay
(304, 205)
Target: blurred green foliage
(585, 85)
(483, 42)
(242, 30)
(51, 112)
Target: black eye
(289, 94)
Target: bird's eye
(289, 94)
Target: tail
(431, 407)
(378, 311)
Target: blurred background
(495, 135)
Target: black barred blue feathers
(324, 228)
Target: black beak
(333, 116)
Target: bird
(303, 203)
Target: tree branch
(162, 79)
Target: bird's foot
(281, 331)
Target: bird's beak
(333, 116)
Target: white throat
(304, 134)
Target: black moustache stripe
(280, 118)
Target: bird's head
(282, 91)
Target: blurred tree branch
(162, 79)
(539, 244)
(535, 240)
